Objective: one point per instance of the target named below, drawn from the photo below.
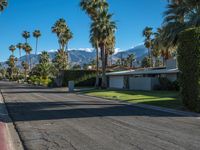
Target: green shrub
(189, 65)
(167, 85)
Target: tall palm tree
(20, 47)
(3, 5)
(26, 35)
(36, 34)
(27, 48)
(93, 8)
(64, 35)
(103, 28)
(12, 48)
(147, 33)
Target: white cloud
(118, 50)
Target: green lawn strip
(167, 99)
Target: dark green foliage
(146, 62)
(189, 65)
(80, 77)
(167, 85)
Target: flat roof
(145, 71)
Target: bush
(167, 85)
(189, 65)
(35, 80)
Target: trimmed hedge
(80, 77)
(189, 65)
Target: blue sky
(132, 16)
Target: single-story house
(142, 79)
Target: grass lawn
(167, 99)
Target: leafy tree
(36, 34)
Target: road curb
(14, 142)
(162, 109)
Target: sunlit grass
(158, 98)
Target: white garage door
(116, 82)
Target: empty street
(53, 119)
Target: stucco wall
(142, 83)
(116, 82)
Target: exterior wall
(142, 83)
(116, 82)
(172, 77)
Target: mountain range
(82, 57)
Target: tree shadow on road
(36, 111)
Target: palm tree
(12, 48)
(93, 8)
(36, 34)
(131, 58)
(180, 15)
(103, 28)
(3, 5)
(27, 48)
(20, 47)
(64, 34)
(60, 60)
(44, 57)
(25, 66)
(147, 33)
(26, 35)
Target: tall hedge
(189, 65)
(81, 77)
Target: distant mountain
(84, 57)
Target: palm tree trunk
(104, 81)
(27, 59)
(20, 54)
(97, 71)
(25, 74)
(149, 53)
(36, 46)
(30, 59)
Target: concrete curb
(14, 142)
(162, 109)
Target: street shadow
(36, 111)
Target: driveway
(55, 120)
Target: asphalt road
(54, 120)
